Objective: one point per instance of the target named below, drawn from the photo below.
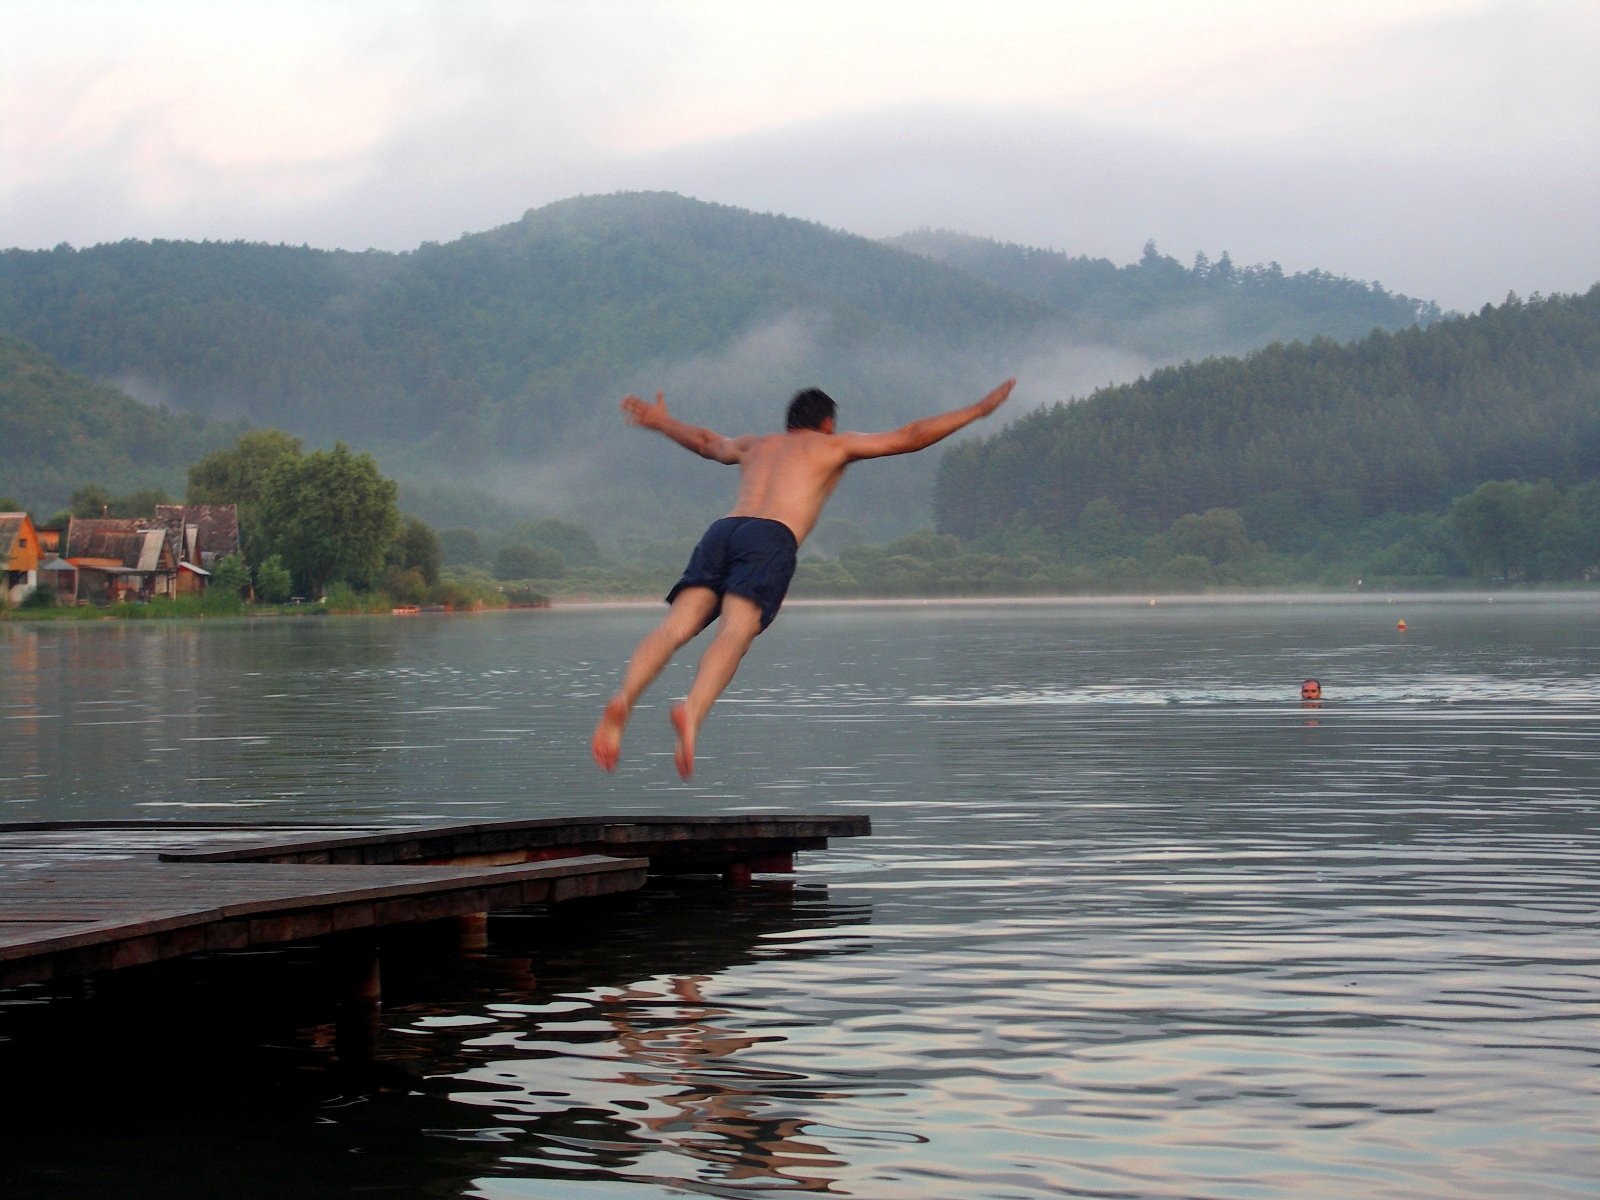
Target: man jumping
(742, 566)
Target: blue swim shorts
(748, 556)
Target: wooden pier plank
(108, 915)
(78, 897)
(672, 842)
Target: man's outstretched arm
(703, 442)
(923, 433)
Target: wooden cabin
(206, 533)
(122, 559)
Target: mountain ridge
(493, 362)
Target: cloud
(1439, 226)
(1442, 146)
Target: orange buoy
(1401, 626)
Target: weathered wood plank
(493, 838)
(146, 911)
(89, 896)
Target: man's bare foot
(684, 754)
(607, 744)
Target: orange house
(19, 551)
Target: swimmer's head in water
(809, 409)
(1311, 690)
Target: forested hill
(59, 431)
(1168, 311)
(495, 362)
(1393, 422)
(492, 344)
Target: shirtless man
(742, 566)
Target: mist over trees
(1304, 440)
(1167, 310)
(60, 432)
(492, 365)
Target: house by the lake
(19, 552)
(108, 560)
(122, 558)
(204, 534)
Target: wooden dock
(80, 898)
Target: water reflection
(563, 1053)
(1136, 928)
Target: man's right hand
(646, 416)
(996, 398)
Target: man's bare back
(784, 478)
(788, 477)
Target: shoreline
(1563, 596)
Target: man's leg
(741, 622)
(690, 610)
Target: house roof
(150, 551)
(216, 528)
(126, 541)
(10, 525)
(57, 564)
(99, 537)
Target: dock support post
(737, 875)
(361, 1004)
(472, 934)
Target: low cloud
(758, 372)
(1066, 371)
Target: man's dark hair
(809, 409)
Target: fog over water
(1132, 921)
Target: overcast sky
(1449, 148)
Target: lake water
(1132, 923)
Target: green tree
(926, 545)
(416, 547)
(274, 584)
(1499, 524)
(1216, 535)
(1569, 537)
(461, 548)
(1186, 573)
(529, 562)
(572, 541)
(90, 500)
(330, 516)
(405, 585)
(1103, 532)
(43, 596)
(238, 476)
(230, 575)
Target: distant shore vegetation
(1501, 533)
